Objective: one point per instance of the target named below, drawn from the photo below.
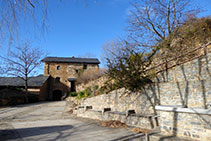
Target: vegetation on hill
(131, 68)
(194, 33)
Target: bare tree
(111, 50)
(15, 12)
(31, 12)
(23, 61)
(152, 21)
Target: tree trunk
(26, 89)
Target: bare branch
(15, 12)
(31, 3)
(151, 21)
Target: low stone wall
(121, 101)
(147, 122)
(185, 122)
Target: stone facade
(187, 86)
(62, 71)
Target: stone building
(63, 73)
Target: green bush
(80, 95)
(84, 94)
(95, 87)
(87, 92)
(73, 94)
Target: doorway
(72, 89)
(57, 95)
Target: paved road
(48, 121)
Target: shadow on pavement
(129, 137)
(11, 134)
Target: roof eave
(71, 62)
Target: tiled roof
(71, 60)
(37, 81)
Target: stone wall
(188, 85)
(138, 120)
(185, 122)
(193, 94)
(198, 69)
(121, 101)
(44, 91)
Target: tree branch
(31, 3)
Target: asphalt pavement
(48, 121)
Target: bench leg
(146, 137)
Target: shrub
(83, 94)
(80, 95)
(73, 94)
(95, 87)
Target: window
(85, 66)
(57, 79)
(76, 71)
(58, 67)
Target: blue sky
(76, 29)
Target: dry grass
(140, 130)
(89, 75)
(188, 37)
(70, 111)
(113, 124)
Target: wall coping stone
(176, 108)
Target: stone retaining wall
(184, 122)
(198, 69)
(120, 100)
(188, 85)
(194, 94)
